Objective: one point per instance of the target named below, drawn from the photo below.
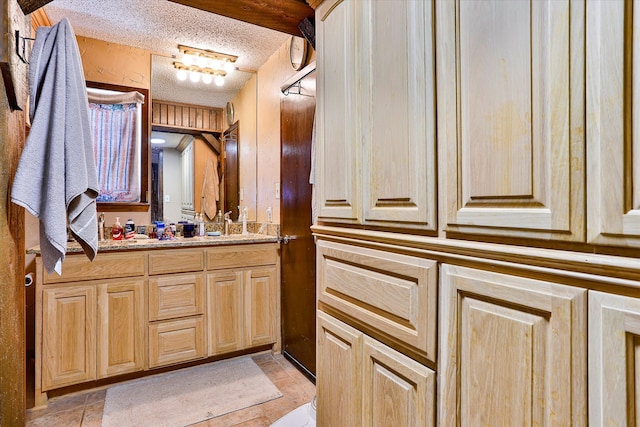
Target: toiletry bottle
(244, 221)
(219, 217)
(116, 230)
(101, 227)
(201, 225)
(129, 229)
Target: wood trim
(582, 268)
(39, 18)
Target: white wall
(172, 184)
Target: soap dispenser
(116, 230)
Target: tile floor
(85, 409)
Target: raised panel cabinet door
(121, 327)
(614, 360)
(512, 351)
(68, 335)
(613, 126)
(338, 373)
(176, 341)
(225, 307)
(511, 117)
(398, 391)
(338, 146)
(260, 305)
(176, 295)
(398, 104)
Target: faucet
(227, 221)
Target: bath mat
(184, 397)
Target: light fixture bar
(187, 50)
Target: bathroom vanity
(142, 305)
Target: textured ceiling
(159, 26)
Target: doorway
(297, 111)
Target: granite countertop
(178, 242)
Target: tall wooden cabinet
(517, 122)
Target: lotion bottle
(116, 230)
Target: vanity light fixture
(157, 141)
(206, 65)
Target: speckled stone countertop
(178, 242)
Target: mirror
(168, 175)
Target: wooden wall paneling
(12, 229)
(511, 117)
(338, 135)
(614, 359)
(398, 113)
(513, 350)
(178, 116)
(613, 131)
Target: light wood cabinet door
(176, 341)
(68, 335)
(260, 304)
(398, 391)
(512, 351)
(338, 146)
(613, 128)
(396, 71)
(225, 308)
(511, 117)
(339, 373)
(121, 327)
(176, 295)
(614, 360)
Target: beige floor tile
(234, 418)
(93, 414)
(66, 418)
(256, 422)
(58, 404)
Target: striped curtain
(116, 149)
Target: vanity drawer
(178, 295)
(176, 341)
(390, 293)
(176, 261)
(104, 266)
(242, 256)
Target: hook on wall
(21, 47)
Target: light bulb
(219, 80)
(229, 67)
(202, 61)
(207, 79)
(194, 76)
(216, 64)
(181, 75)
(188, 59)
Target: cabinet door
(225, 311)
(398, 391)
(176, 341)
(398, 113)
(338, 127)
(261, 297)
(121, 324)
(512, 351)
(68, 335)
(176, 295)
(511, 117)
(613, 128)
(339, 373)
(614, 360)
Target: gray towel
(56, 179)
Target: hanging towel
(56, 179)
(211, 187)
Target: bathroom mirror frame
(145, 159)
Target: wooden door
(68, 335)
(398, 391)
(398, 113)
(614, 360)
(339, 373)
(225, 308)
(298, 255)
(177, 341)
(260, 302)
(231, 169)
(338, 127)
(121, 327)
(511, 117)
(613, 132)
(512, 351)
